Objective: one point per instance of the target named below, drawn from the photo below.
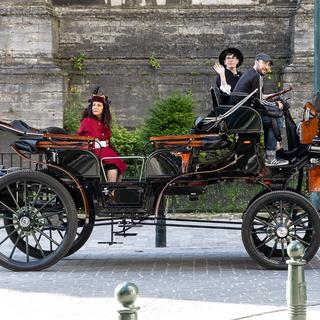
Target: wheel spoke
(36, 197)
(259, 232)
(301, 240)
(281, 211)
(266, 240)
(273, 248)
(48, 202)
(49, 238)
(8, 208)
(291, 212)
(265, 223)
(15, 245)
(24, 197)
(38, 243)
(60, 234)
(8, 236)
(8, 225)
(271, 214)
(40, 236)
(13, 198)
(282, 251)
(304, 229)
(298, 221)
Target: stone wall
(38, 39)
(299, 72)
(32, 85)
(119, 41)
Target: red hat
(102, 99)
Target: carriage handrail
(214, 121)
(123, 157)
(237, 106)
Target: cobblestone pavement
(209, 269)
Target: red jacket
(95, 128)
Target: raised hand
(218, 68)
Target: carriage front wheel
(275, 219)
(38, 221)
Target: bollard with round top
(296, 286)
(126, 293)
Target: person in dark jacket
(227, 69)
(96, 122)
(271, 113)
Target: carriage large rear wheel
(275, 219)
(38, 221)
(83, 234)
(83, 231)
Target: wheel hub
(28, 218)
(282, 231)
(25, 222)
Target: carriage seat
(203, 141)
(33, 140)
(22, 126)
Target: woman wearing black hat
(228, 75)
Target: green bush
(73, 111)
(126, 142)
(219, 198)
(171, 115)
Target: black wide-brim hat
(236, 52)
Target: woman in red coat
(96, 122)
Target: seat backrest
(22, 126)
(54, 130)
(215, 101)
(219, 96)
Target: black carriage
(49, 212)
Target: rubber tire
(250, 242)
(71, 216)
(82, 236)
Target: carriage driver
(271, 113)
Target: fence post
(296, 286)
(126, 293)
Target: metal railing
(12, 160)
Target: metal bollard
(126, 293)
(296, 286)
(161, 233)
(161, 225)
